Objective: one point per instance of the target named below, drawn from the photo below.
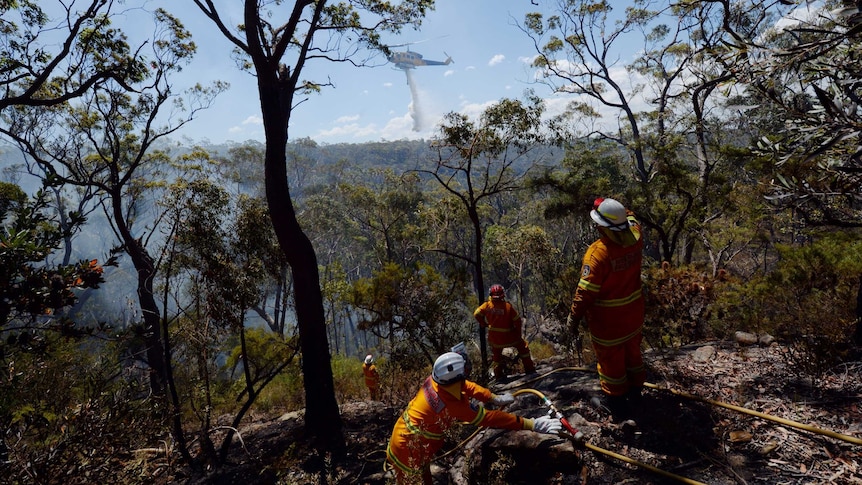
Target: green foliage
(417, 309)
(808, 300)
(30, 289)
(529, 257)
(349, 380)
(808, 82)
(264, 353)
(73, 412)
(590, 168)
(283, 394)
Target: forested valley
(160, 297)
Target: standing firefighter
(443, 400)
(610, 298)
(504, 330)
(372, 378)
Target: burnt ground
(686, 436)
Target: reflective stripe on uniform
(620, 301)
(614, 380)
(611, 343)
(401, 466)
(480, 415)
(417, 430)
(587, 285)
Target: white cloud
(448, 73)
(800, 15)
(496, 60)
(253, 120)
(474, 110)
(347, 119)
(351, 130)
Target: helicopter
(411, 60)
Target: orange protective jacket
(418, 433)
(609, 293)
(503, 322)
(372, 378)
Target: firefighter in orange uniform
(504, 330)
(443, 400)
(610, 299)
(372, 378)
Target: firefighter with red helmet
(372, 377)
(504, 330)
(444, 399)
(609, 297)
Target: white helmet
(610, 213)
(369, 359)
(448, 368)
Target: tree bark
(150, 312)
(322, 419)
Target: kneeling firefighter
(443, 399)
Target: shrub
(808, 300)
(678, 305)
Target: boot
(616, 406)
(634, 398)
(619, 408)
(529, 366)
(499, 372)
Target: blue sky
(491, 59)
(490, 62)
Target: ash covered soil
(799, 431)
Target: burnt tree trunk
(276, 86)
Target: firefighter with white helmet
(504, 330)
(372, 377)
(609, 298)
(444, 399)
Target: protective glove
(501, 399)
(547, 425)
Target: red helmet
(497, 292)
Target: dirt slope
(684, 437)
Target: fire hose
(732, 407)
(577, 436)
(577, 439)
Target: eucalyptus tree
(41, 68)
(106, 140)
(45, 66)
(805, 70)
(218, 257)
(277, 53)
(478, 160)
(417, 309)
(384, 209)
(668, 155)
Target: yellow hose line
(641, 464)
(802, 426)
(612, 454)
(768, 417)
(531, 391)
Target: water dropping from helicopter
(420, 119)
(407, 61)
